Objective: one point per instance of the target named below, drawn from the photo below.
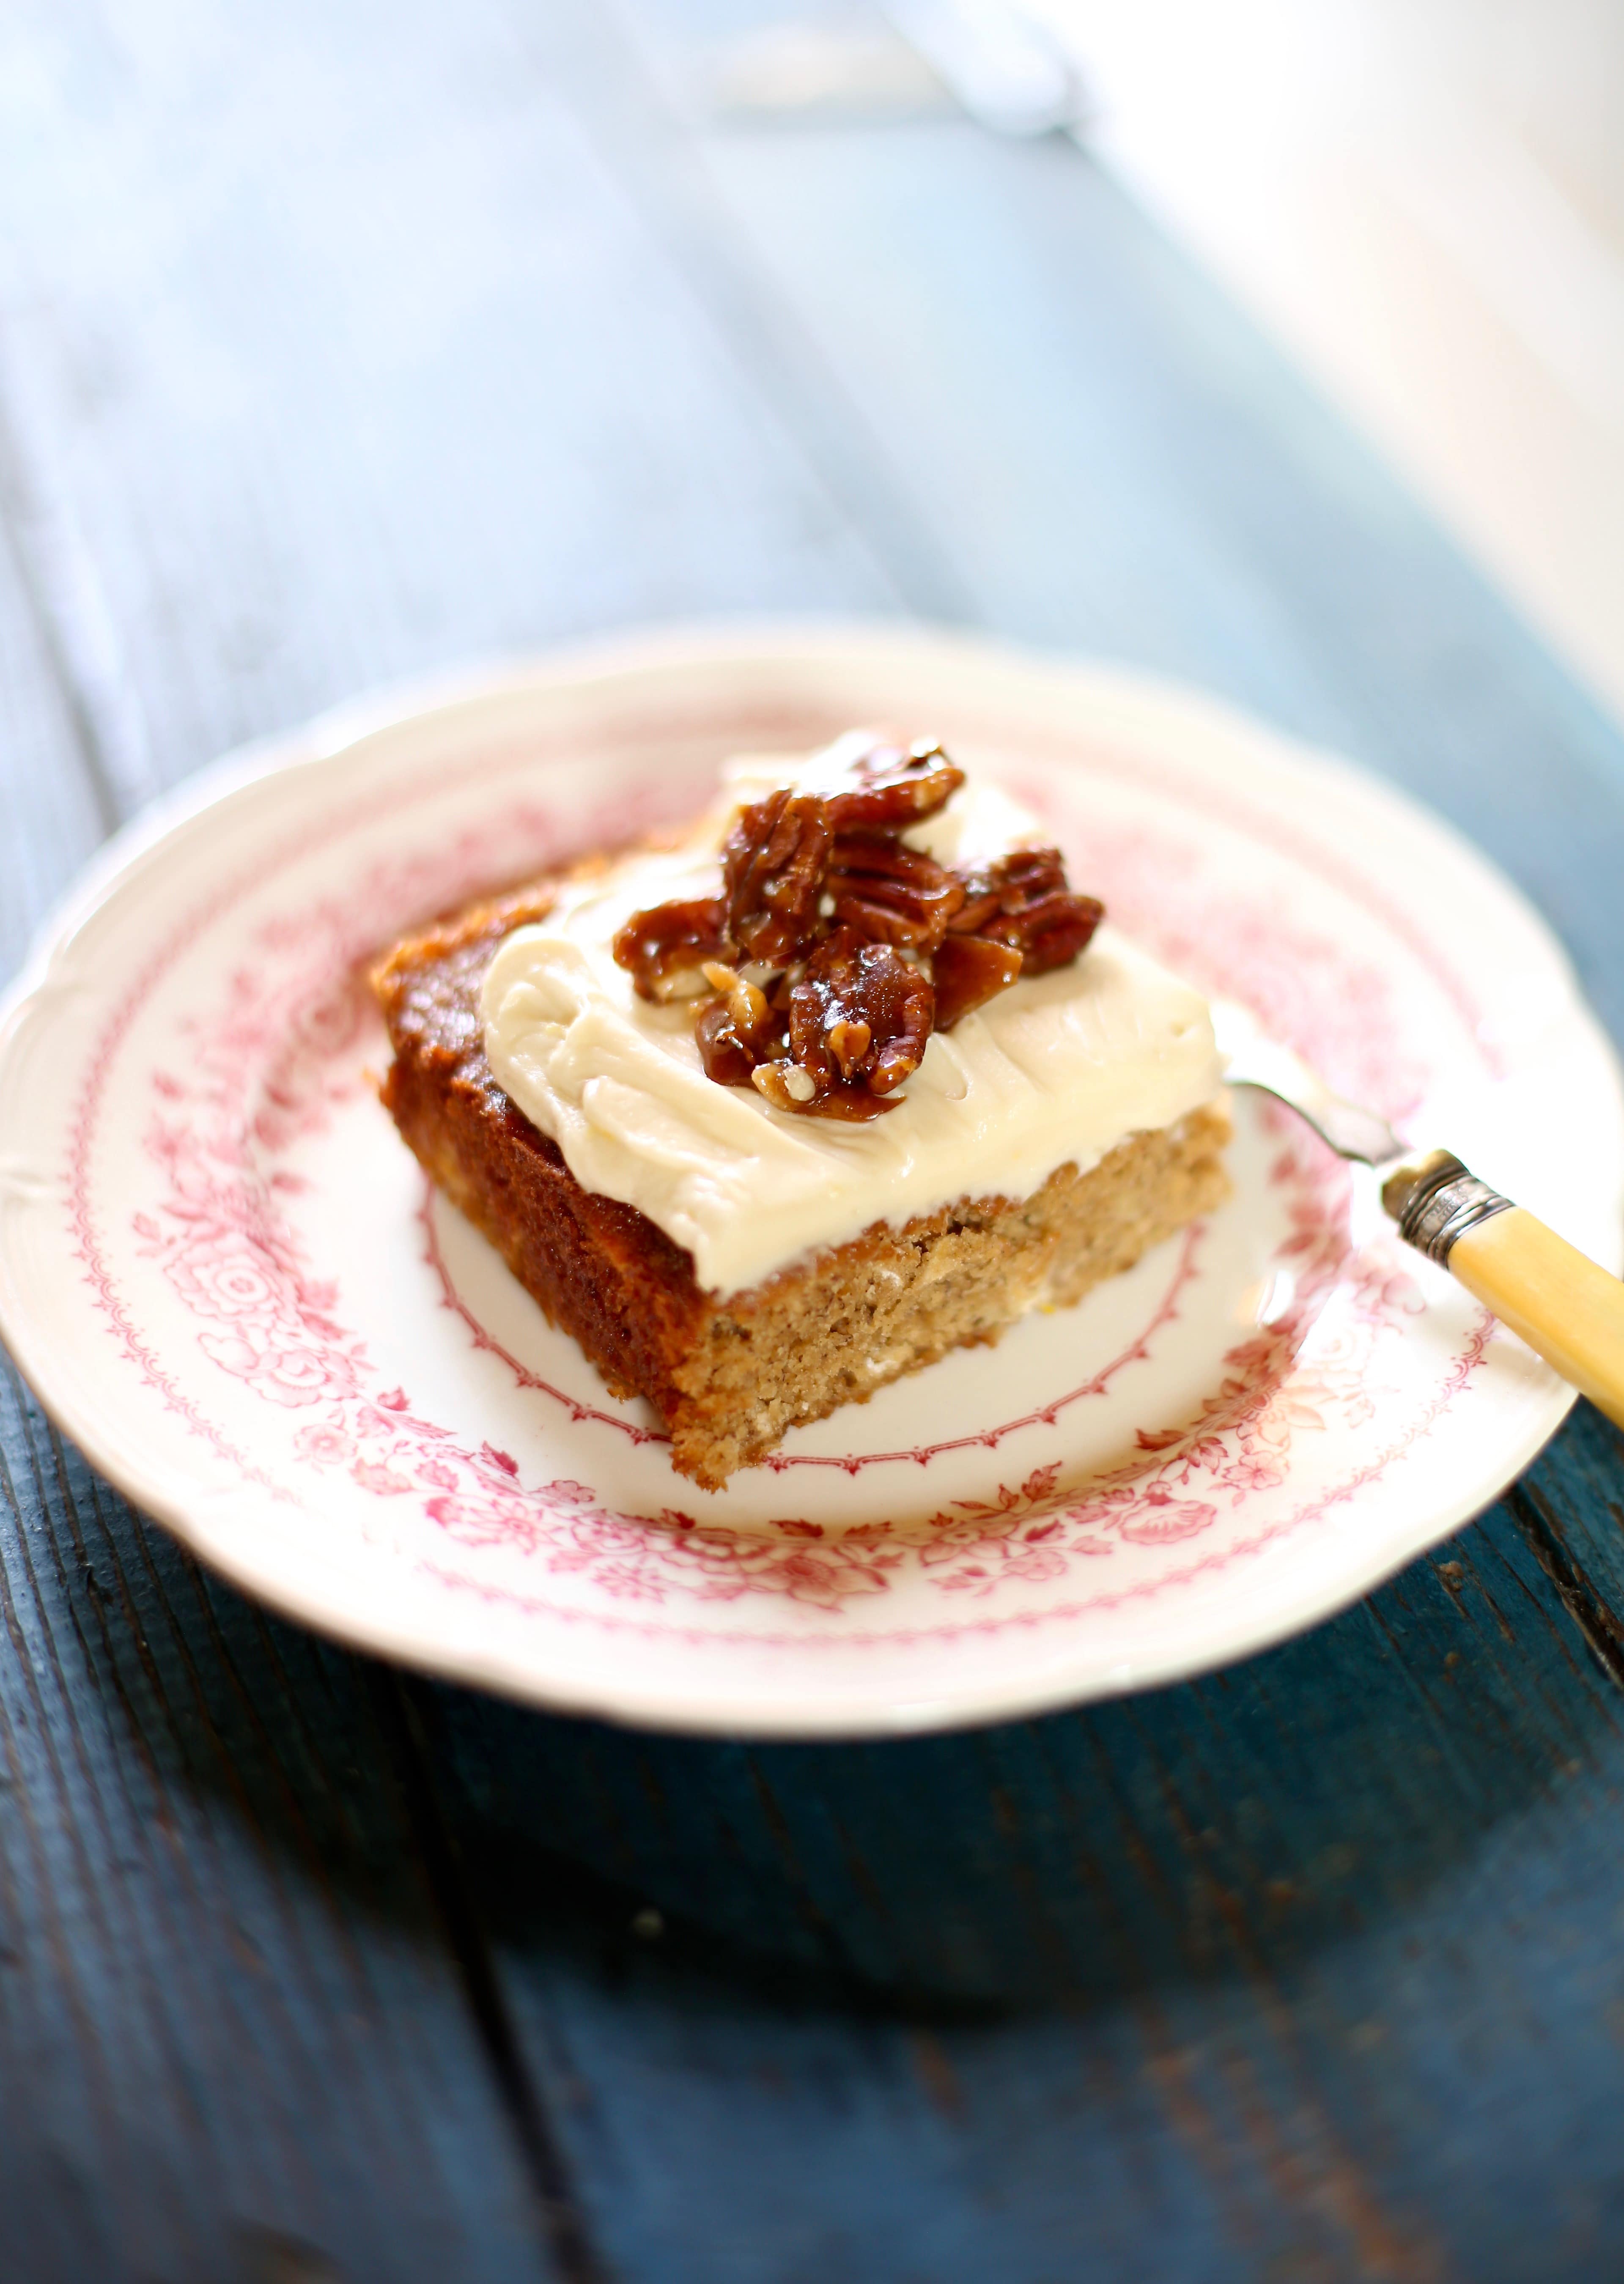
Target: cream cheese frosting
(1057, 1069)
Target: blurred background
(1423, 201)
(432, 332)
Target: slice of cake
(846, 1078)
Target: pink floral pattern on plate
(277, 1058)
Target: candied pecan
(772, 868)
(729, 1059)
(817, 1090)
(723, 1052)
(1023, 900)
(969, 970)
(1005, 885)
(747, 1003)
(1052, 932)
(890, 893)
(825, 906)
(666, 948)
(892, 787)
(737, 1029)
(863, 1007)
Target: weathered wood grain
(230, 2008)
(341, 353)
(1309, 1967)
(236, 2038)
(337, 345)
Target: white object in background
(993, 60)
(1007, 69)
(783, 72)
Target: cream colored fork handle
(1563, 1306)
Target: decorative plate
(228, 1281)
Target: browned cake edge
(727, 1377)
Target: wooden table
(342, 343)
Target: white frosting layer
(1059, 1068)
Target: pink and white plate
(228, 1281)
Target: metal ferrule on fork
(1443, 1204)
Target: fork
(1567, 1308)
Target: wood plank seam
(1603, 1633)
(195, 1871)
(1314, 2171)
(21, 1799)
(1310, 2173)
(70, 1582)
(1577, 1664)
(1427, 1686)
(578, 2259)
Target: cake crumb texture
(859, 1315)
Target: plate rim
(714, 644)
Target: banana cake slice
(845, 1078)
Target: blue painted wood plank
(335, 351)
(233, 2029)
(1312, 1962)
(235, 2037)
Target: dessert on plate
(845, 1077)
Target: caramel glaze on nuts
(834, 950)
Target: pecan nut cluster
(834, 950)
